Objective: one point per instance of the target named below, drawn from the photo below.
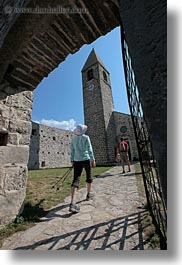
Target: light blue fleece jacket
(81, 148)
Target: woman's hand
(93, 163)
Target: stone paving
(111, 221)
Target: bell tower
(98, 108)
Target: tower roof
(92, 59)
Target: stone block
(20, 100)
(4, 111)
(13, 180)
(4, 123)
(13, 138)
(15, 177)
(11, 203)
(24, 139)
(14, 154)
(22, 127)
(20, 114)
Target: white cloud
(67, 125)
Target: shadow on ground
(115, 234)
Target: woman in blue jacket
(82, 156)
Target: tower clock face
(90, 87)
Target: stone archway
(34, 43)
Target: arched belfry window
(104, 76)
(90, 74)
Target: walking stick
(63, 178)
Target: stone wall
(145, 25)
(50, 147)
(15, 129)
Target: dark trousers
(78, 167)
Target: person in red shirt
(122, 150)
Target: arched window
(90, 74)
(105, 76)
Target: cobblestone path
(111, 221)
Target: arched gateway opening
(35, 39)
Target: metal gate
(153, 190)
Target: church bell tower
(98, 108)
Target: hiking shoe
(123, 172)
(89, 196)
(74, 208)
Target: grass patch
(41, 197)
(18, 225)
(40, 183)
(149, 233)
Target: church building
(105, 126)
(50, 147)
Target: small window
(43, 164)
(3, 138)
(90, 74)
(105, 76)
(33, 131)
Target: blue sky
(58, 98)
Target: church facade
(105, 125)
